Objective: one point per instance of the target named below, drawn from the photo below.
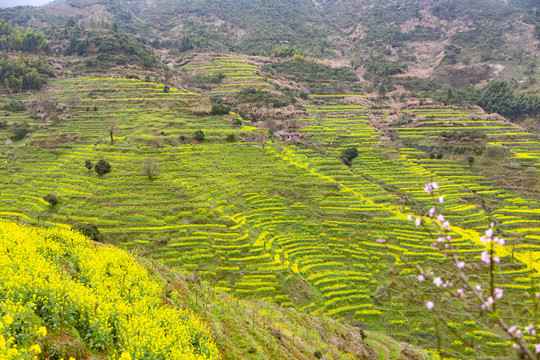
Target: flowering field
(291, 225)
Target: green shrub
(220, 109)
(198, 135)
(348, 155)
(52, 199)
(20, 131)
(102, 167)
(88, 164)
(91, 231)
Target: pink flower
(489, 232)
(418, 222)
(446, 225)
(435, 186)
(441, 199)
(429, 305)
(421, 278)
(440, 218)
(460, 292)
(490, 300)
(518, 333)
(381, 241)
(485, 257)
(498, 293)
(432, 212)
(478, 288)
(461, 265)
(409, 217)
(537, 348)
(437, 281)
(512, 329)
(529, 328)
(501, 242)
(496, 259)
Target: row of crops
(290, 224)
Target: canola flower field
(290, 225)
(55, 279)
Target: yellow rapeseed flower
(42, 331)
(35, 348)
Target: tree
(52, 199)
(102, 167)
(91, 231)
(150, 168)
(198, 135)
(88, 164)
(348, 155)
(111, 129)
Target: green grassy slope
(63, 296)
(288, 223)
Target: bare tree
(112, 128)
(150, 168)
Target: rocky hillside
(455, 43)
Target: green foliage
(88, 164)
(537, 30)
(185, 44)
(318, 354)
(313, 71)
(266, 23)
(91, 231)
(286, 51)
(198, 135)
(460, 135)
(209, 79)
(348, 155)
(22, 39)
(415, 84)
(264, 98)
(23, 73)
(220, 109)
(498, 96)
(20, 131)
(102, 167)
(52, 199)
(108, 48)
(379, 67)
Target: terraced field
(291, 224)
(237, 74)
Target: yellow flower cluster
(56, 279)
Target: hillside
(279, 178)
(64, 296)
(455, 43)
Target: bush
(102, 167)
(348, 155)
(220, 109)
(88, 164)
(91, 231)
(318, 354)
(198, 135)
(20, 132)
(52, 199)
